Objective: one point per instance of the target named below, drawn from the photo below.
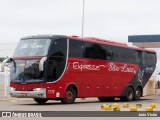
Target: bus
(57, 67)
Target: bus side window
(105, 52)
(102, 52)
(91, 50)
(109, 55)
(57, 59)
(76, 48)
(138, 57)
(150, 59)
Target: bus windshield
(32, 47)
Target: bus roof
(109, 42)
(89, 39)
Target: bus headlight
(12, 89)
(38, 89)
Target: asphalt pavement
(87, 104)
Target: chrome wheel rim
(130, 94)
(69, 95)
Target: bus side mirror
(4, 62)
(41, 63)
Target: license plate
(23, 94)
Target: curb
(16, 99)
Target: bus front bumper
(29, 94)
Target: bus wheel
(129, 94)
(138, 93)
(70, 96)
(40, 100)
(105, 99)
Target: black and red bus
(56, 67)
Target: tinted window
(124, 55)
(57, 59)
(105, 52)
(140, 58)
(58, 47)
(128, 55)
(150, 59)
(91, 50)
(76, 48)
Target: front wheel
(70, 96)
(40, 100)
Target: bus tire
(138, 93)
(129, 94)
(70, 96)
(40, 100)
(105, 99)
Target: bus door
(56, 62)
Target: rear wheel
(40, 100)
(70, 96)
(129, 95)
(138, 93)
(105, 99)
